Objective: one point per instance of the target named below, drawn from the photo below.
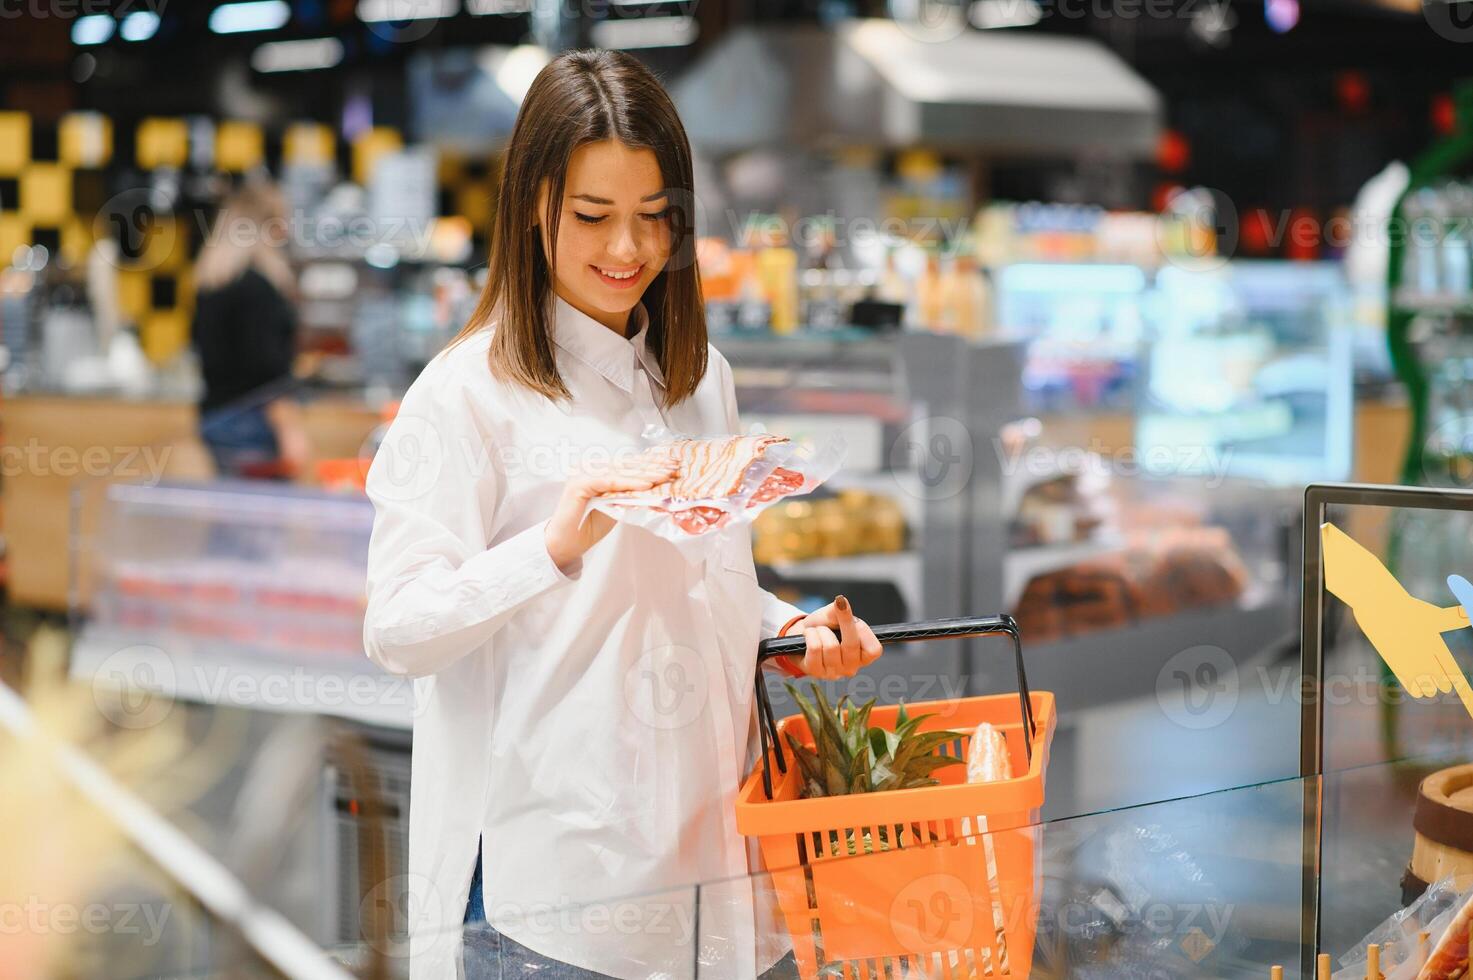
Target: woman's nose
(625, 246)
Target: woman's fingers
(849, 645)
(869, 645)
(822, 659)
(639, 478)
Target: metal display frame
(1317, 497)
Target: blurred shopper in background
(245, 331)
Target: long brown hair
(584, 97)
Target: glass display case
(1249, 372)
(1208, 884)
(230, 586)
(1085, 325)
(1244, 367)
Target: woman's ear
(541, 208)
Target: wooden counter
(53, 445)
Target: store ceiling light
(515, 69)
(645, 32)
(93, 29)
(498, 8)
(377, 11)
(994, 14)
(140, 25)
(307, 55)
(259, 15)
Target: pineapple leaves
(849, 756)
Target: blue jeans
(239, 438)
(488, 955)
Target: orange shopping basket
(934, 882)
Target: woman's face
(613, 234)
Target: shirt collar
(602, 349)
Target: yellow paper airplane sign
(1405, 631)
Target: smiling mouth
(618, 277)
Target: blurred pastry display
(847, 522)
(1154, 574)
(1056, 511)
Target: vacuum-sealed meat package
(722, 480)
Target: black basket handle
(929, 629)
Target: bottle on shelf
(928, 295)
(964, 298)
(777, 269)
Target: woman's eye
(656, 215)
(588, 219)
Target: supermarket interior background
(1091, 290)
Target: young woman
(583, 690)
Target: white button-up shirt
(591, 727)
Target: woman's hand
(832, 655)
(573, 529)
(293, 445)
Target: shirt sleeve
(775, 611)
(437, 587)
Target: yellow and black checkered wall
(56, 190)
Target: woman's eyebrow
(603, 200)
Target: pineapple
(851, 757)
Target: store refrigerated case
(1240, 368)
(1085, 326)
(1248, 372)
